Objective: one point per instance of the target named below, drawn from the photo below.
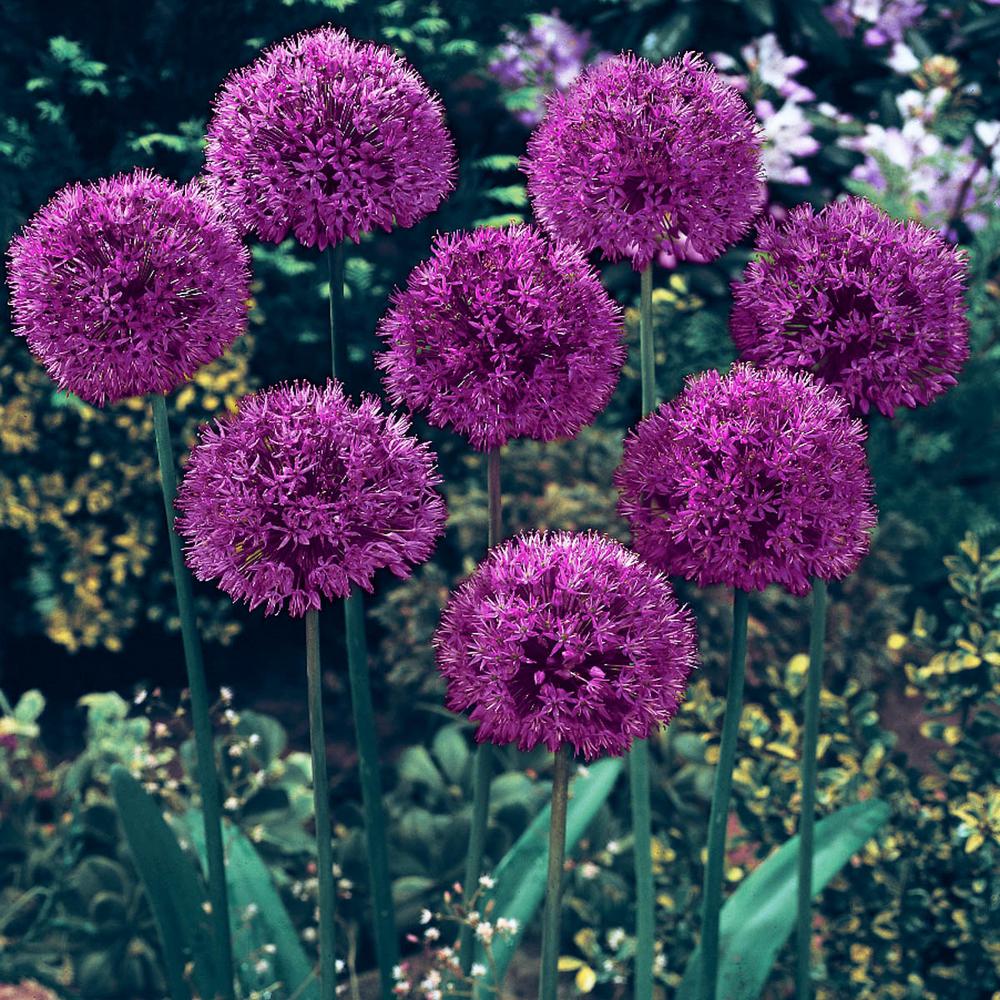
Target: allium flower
(128, 286)
(749, 479)
(566, 638)
(549, 56)
(871, 306)
(503, 334)
(327, 138)
(637, 158)
(301, 494)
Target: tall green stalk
(638, 761)
(386, 944)
(482, 771)
(549, 978)
(335, 288)
(321, 808)
(719, 817)
(203, 740)
(810, 741)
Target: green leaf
(258, 916)
(760, 914)
(175, 893)
(520, 876)
(452, 752)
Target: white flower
(432, 934)
(226, 695)
(426, 916)
(508, 926)
(487, 882)
(902, 60)
(478, 970)
(484, 931)
(589, 870)
(339, 965)
(251, 911)
(262, 966)
(616, 937)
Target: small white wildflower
(589, 870)
(251, 911)
(340, 965)
(614, 847)
(616, 937)
(426, 916)
(254, 739)
(397, 973)
(231, 803)
(478, 970)
(140, 696)
(508, 926)
(487, 882)
(309, 934)
(236, 750)
(225, 695)
(484, 931)
(263, 966)
(432, 934)
(271, 949)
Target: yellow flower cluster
(79, 487)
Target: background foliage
(894, 100)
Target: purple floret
(635, 159)
(566, 639)
(327, 138)
(503, 334)
(749, 479)
(301, 494)
(128, 286)
(872, 306)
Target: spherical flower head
(635, 159)
(128, 286)
(327, 138)
(300, 494)
(566, 639)
(872, 306)
(503, 334)
(749, 479)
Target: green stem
(335, 292)
(200, 718)
(647, 357)
(810, 740)
(549, 978)
(482, 773)
(638, 761)
(321, 806)
(386, 945)
(719, 817)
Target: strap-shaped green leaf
(176, 894)
(760, 914)
(258, 917)
(520, 876)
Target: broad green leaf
(758, 917)
(258, 917)
(175, 893)
(520, 876)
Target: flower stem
(647, 357)
(638, 761)
(719, 817)
(335, 291)
(386, 945)
(203, 740)
(482, 773)
(810, 740)
(548, 980)
(321, 807)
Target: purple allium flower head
(128, 286)
(749, 479)
(566, 638)
(636, 158)
(502, 334)
(870, 305)
(300, 494)
(328, 138)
